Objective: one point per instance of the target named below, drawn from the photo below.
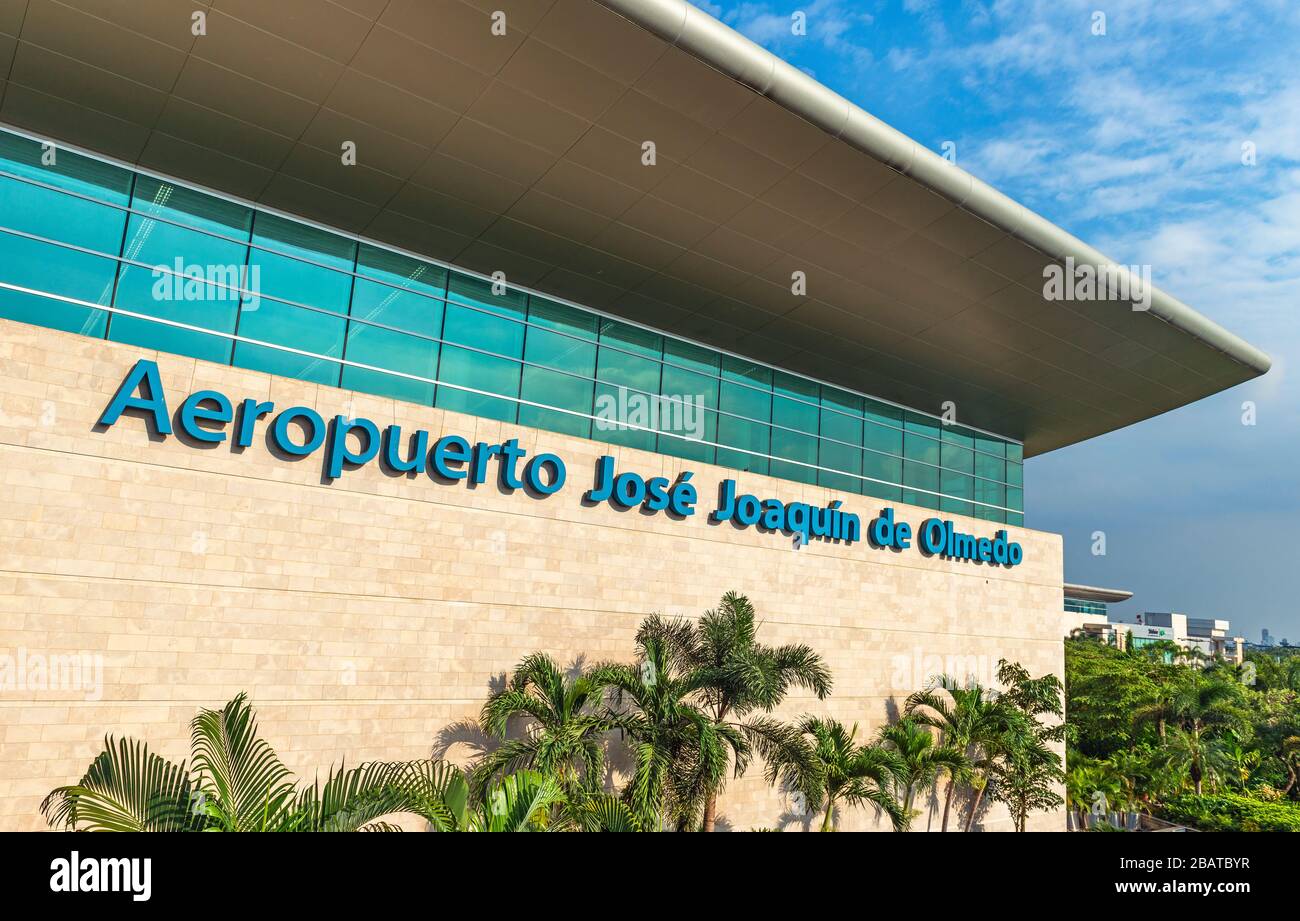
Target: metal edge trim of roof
(727, 51)
(1095, 593)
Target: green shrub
(1230, 812)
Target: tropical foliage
(563, 738)
(236, 782)
(1231, 812)
(828, 771)
(645, 745)
(1150, 728)
(918, 761)
(970, 720)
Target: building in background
(522, 231)
(1087, 613)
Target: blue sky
(1132, 141)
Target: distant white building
(1087, 611)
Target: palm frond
(126, 788)
(240, 774)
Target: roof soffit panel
(523, 153)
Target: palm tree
(969, 719)
(240, 785)
(1194, 755)
(1083, 781)
(824, 765)
(680, 751)
(564, 735)
(1240, 761)
(522, 801)
(1202, 707)
(1131, 772)
(741, 676)
(1290, 755)
(525, 801)
(921, 761)
(1158, 710)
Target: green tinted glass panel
(924, 425)
(691, 356)
(201, 288)
(57, 216)
(683, 385)
(617, 367)
(952, 434)
(689, 441)
(401, 271)
(395, 351)
(478, 292)
(917, 448)
(559, 390)
(788, 385)
(990, 445)
(923, 499)
(795, 414)
(275, 276)
(479, 330)
(742, 400)
(955, 506)
(843, 458)
(301, 242)
(170, 202)
(882, 413)
(1015, 474)
(621, 419)
(687, 410)
(882, 467)
(279, 274)
(990, 493)
(737, 369)
(561, 318)
(958, 458)
(1015, 453)
(795, 447)
(994, 468)
(1015, 498)
(957, 485)
(398, 308)
(883, 491)
(45, 267)
(841, 427)
(755, 438)
(841, 400)
(631, 339)
(69, 171)
(478, 372)
(921, 476)
(297, 328)
(564, 353)
(882, 438)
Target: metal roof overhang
(522, 153)
(1094, 593)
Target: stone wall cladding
(368, 616)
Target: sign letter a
(143, 377)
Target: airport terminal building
(351, 350)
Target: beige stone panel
(367, 615)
